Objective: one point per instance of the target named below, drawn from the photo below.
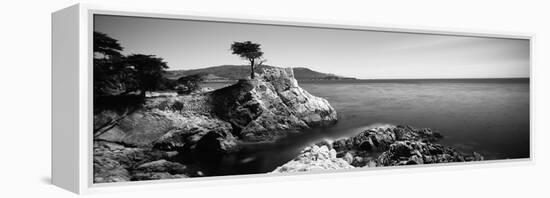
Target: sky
(186, 44)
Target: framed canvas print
(163, 97)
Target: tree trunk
(252, 69)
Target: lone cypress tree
(249, 51)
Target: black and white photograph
(177, 99)
(275, 98)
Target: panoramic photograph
(176, 99)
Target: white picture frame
(72, 163)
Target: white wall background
(25, 101)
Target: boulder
(348, 157)
(139, 128)
(314, 158)
(114, 162)
(162, 166)
(414, 152)
(126, 156)
(160, 169)
(108, 170)
(375, 139)
(169, 130)
(193, 128)
(156, 176)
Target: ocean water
(488, 116)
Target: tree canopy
(148, 70)
(116, 74)
(248, 51)
(106, 45)
(108, 66)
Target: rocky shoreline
(378, 147)
(180, 136)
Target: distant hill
(234, 72)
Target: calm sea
(489, 116)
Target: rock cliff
(263, 108)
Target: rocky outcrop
(253, 110)
(116, 163)
(160, 169)
(314, 158)
(167, 129)
(194, 128)
(414, 152)
(388, 146)
(261, 109)
(398, 145)
(109, 170)
(314, 111)
(204, 124)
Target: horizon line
(356, 78)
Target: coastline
(178, 136)
(174, 136)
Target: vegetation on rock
(250, 52)
(189, 84)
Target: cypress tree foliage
(148, 71)
(109, 70)
(249, 51)
(116, 74)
